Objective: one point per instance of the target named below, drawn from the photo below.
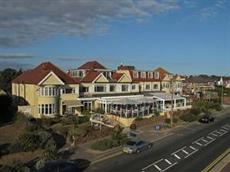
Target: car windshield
(130, 143)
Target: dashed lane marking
(152, 164)
(185, 151)
(176, 156)
(196, 142)
(157, 167)
(168, 162)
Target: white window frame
(126, 86)
(143, 74)
(135, 74)
(114, 85)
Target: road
(188, 149)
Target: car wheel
(138, 151)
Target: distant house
(168, 81)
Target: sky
(183, 36)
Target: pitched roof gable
(91, 65)
(37, 74)
(162, 72)
(90, 76)
(116, 76)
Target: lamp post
(172, 103)
(222, 91)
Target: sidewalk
(220, 164)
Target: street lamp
(172, 102)
(222, 91)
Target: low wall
(126, 122)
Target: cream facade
(50, 97)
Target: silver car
(136, 146)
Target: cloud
(212, 10)
(15, 56)
(15, 65)
(26, 21)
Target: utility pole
(172, 103)
(222, 91)
(222, 94)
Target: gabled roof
(90, 76)
(116, 76)
(162, 72)
(91, 65)
(37, 74)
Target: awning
(125, 101)
(72, 103)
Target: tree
(6, 76)
(7, 110)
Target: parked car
(136, 146)
(206, 119)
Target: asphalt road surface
(190, 149)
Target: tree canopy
(6, 76)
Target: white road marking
(191, 153)
(168, 162)
(211, 138)
(223, 131)
(212, 133)
(179, 150)
(176, 156)
(169, 167)
(220, 134)
(216, 133)
(185, 151)
(198, 143)
(226, 128)
(150, 165)
(193, 148)
(227, 125)
(204, 140)
(157, 167)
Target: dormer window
(135, 74)
(156, 75)
(150, 74)
(143, 74)
(77, 73)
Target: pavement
(220, 164)
(187, 148)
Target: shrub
(167, 120)
(86, 113)
(139, 118)
(15, 167)
(188, 117)
(195, 111)
(83, 119)
(7, 110)
(48, 155)
(99, 110)
(62, 129)
(102, 144)
(32, 127)
(29, 141)
(156, 113)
